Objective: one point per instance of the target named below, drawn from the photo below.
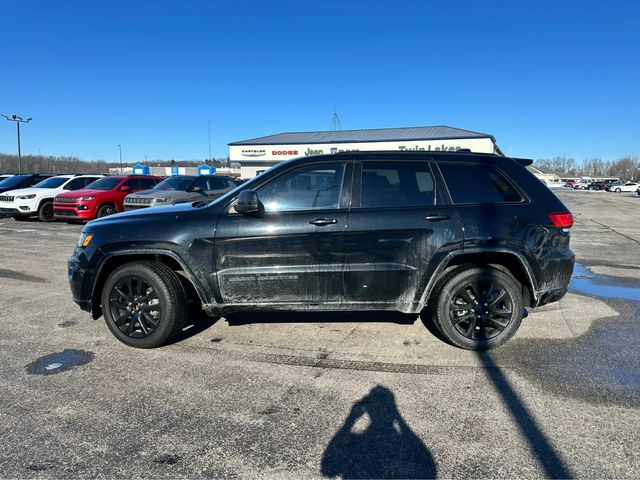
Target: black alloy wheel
(144, 304)
(106, 210)
(478, 308)
(135, 307)
(45, 212)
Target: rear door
(398, 225)
(294, 253)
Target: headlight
(160, 200)
(25, 197)
(85, 239)
(86, 199)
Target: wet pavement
(309, 396)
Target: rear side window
(471, 183)
(397, 184)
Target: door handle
(320, 222)
(437, 217)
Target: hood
(81, 193)
(30, 191)
(160, 214)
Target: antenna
(336, 124)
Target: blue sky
(544, 78)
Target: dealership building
(258, 154)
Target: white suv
(38, 200)
(624, 187)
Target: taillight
(561, 220)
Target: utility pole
(209, 141)
(120, 149)
(18, 120)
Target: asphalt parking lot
(316, 395)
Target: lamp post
(18, 119)
(120, 150)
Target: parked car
(624, 187)
(570, 183)
(597, 185)
(16, 182)
(349, 231)
(101, 198)
(38, 200)
(180, 189)
(581, 185)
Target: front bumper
(74, 211)
(17, 210)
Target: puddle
(584, 281)
(59, 362)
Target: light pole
(120, 150)
(18, 120)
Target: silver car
(180, 189)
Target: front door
(294, 253)
(396, 227)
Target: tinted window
(78, 183)
(132, 183)
(306, 188)
(397, 184)
(202, 183)
(217, 183)
(469, 183)
(146, 183)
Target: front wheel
(106, 210)
(45, 212)
(618, 190)
(479, 308)
(144, 304)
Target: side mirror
(124, 188)
(249, 203)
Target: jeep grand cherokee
(470, 239)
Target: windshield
(13, 181)
(175, 183)
(106, 183)
(53, 182)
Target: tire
(618, 190)
(45, 211)
(106, 210)
(477, 287)
(164, 302)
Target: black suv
(24, 180)
(476, 238)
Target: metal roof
(363, 136)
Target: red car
(100, 198)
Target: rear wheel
(144, 304)
(479, 308)
(45, 212)
(618, 190)
(106, 210)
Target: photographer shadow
(376, 442)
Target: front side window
(397, 184)
(312, 187)
(132, 183)
(473, 183)
(175, 183)
(146, 183)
